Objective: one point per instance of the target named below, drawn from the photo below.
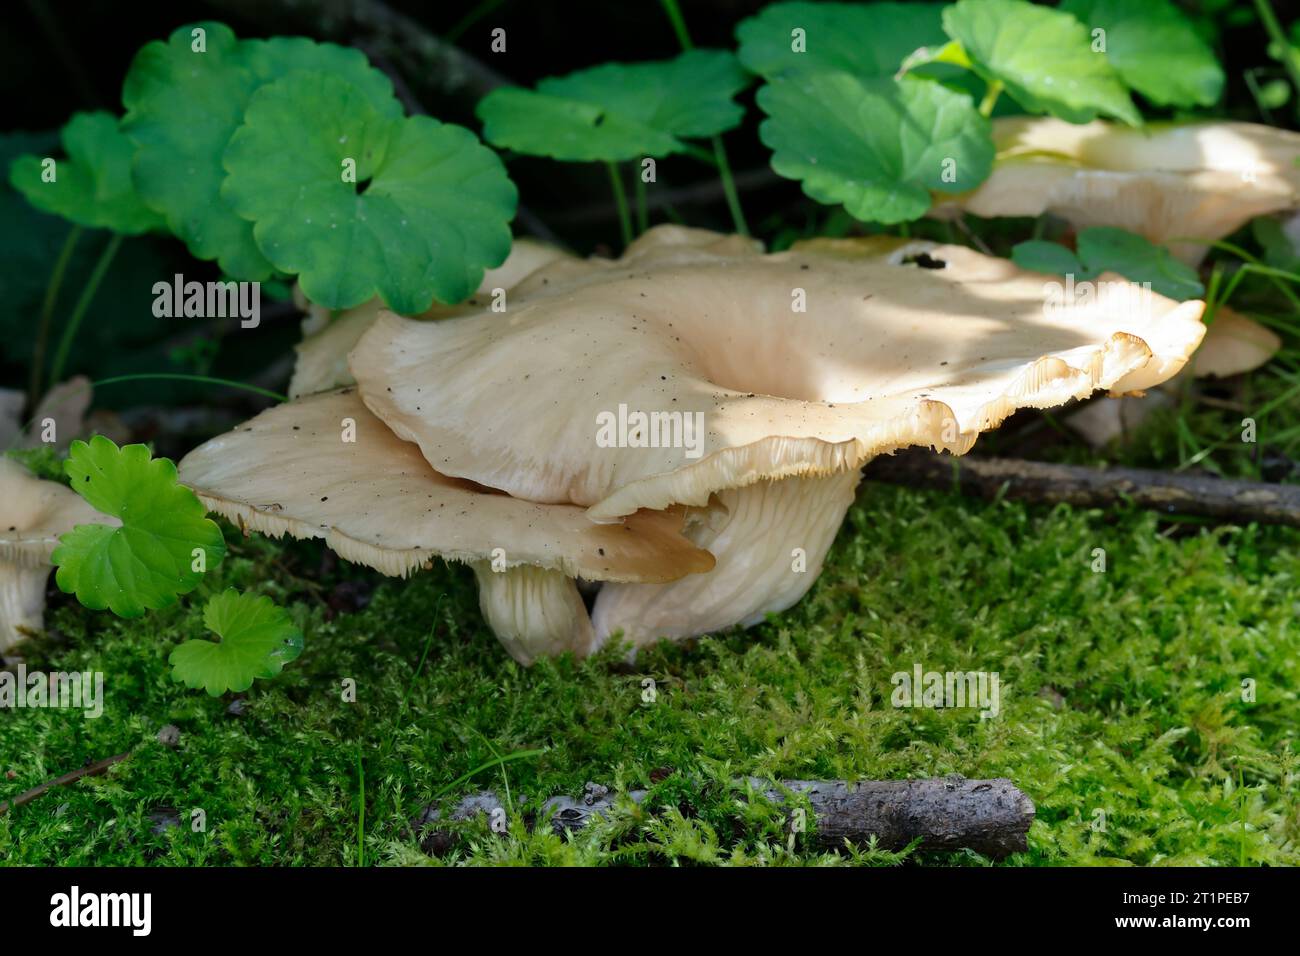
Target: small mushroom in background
(322, 362)
(65, 405)
(1234, 344)
(33, 513)
(1164, 181)
(12, 403)
(1108, 418)
(324, 467)
(749, 389)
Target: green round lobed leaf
(92, 187)
(1138, 259)
(428, 211)
(148, 561)
(877, 145)
(617, 111)
(869, 39)
(1108, 249)
(1040, 255)
(257, 639)
(1042, 56)
(1155, 49)
(184, 103)
(181, 108)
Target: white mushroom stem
(22, 601)
(33, 514)
(534, 612)
(769, 539)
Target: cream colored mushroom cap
(532, 269)
(1224, 146)
(376, 501)
(322, 362)
(888, 354)
(35, 512)
(1164, 181)
(1234, 344)
(660, 247)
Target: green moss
(1121, 702)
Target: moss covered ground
(1122, 711)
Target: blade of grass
(1276, 275)
(1278, 400)
(415, 675)
(361, 809)
(642, 216)
(505, 777)
(178, 376)
(678, 22)
(1290, 59)
(674, 13)
(990, 100)
(700, 154)
(471, 774)
(620, 200)
(83, 304)
(729, 187)
(468, 20)
(1253, 85)
(47, 314)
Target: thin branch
(1239, 502)
(991, 817)
(89, 770)
(971, 235)
(435, 66)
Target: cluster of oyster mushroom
(685, 425)
(683, 428)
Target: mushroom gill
(771, 536)
(749, 377)
(324, 467)
(534, 612)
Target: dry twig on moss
(990, 817)
(1172, 492)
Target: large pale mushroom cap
(33, 514)
(661, 247)
(889, 353)
(1164, 181)
(749, 388)
(322, 362)
(294, 470)
(532, 269)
